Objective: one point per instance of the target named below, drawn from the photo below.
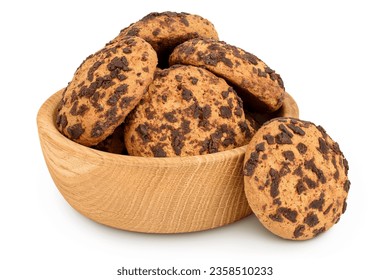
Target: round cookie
(257, 84)
(104, 89)
(295, 178)
(187, 111)
(166, 30)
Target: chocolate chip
(277, 201)
(275, 180)
(97, 130)
(285, 169)
(78, 111)
(111, 116)
(251, 58)
(347, 185)
(317, 203)
(112, 100)
(298, 232)
(125, 102)
(92, 70)
(178, 78)
(156, 31)
(170, 117)
(238, 111)
(310, 165)
(322, 130)
(185, 126)
(298, 171)
(276, 217)
(344, 206)
(269, 138)
(62, 121)
(225, 94)
(302, 148)
(261, 73)
(288, 155)
(73, 96)
(300, 187)
(323, 146)
(336, 175)
(134, 31)
(228, 141)
(245, 129)
(251, 164)
(209, 145)
(316, 232)
(143, 132)
(158, 151)
(336, 148)
(118, 63)
(288, 213)
(214, 57)
(186, 94)
(327, 210)
(149, 113)
(284, 129)
(309, 182)
(144, 56)
(346, 166)
(177, 141)
(283, 138)
(75, 131)
(126, 50)
(194, 80)
(184, 21)
(260, 147)
(206, 111)
(296, 129)
(311, 220)
(225, 112)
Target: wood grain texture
(154, 195)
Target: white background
(334, 59)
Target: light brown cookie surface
(104, 89)
(166, 30)
(187, 111)
(295, 178)
(258, 85)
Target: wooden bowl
(154, 195)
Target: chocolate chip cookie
(258, 85)
(187, 111)
(166, 30)
(114, 143)
(296, 178)
(289, 108)
(104, 89)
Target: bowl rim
(47, 128)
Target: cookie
(166, 30)
(257, 84)
(296, 178)
(114, 143)
(289, 108)
(187, 111)
(104, 89)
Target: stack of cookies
(166, 86)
